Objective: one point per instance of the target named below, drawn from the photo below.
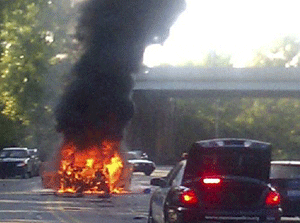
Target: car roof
(16, 148)
(140, 161)
(232, 142)
(285, 162)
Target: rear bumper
(197, 214)
(143, 168)
(20, 170)
(291, 207)
(12, 170)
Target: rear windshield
(254, 164)
(131, 156)
(285, 171)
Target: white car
(140, 164)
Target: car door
(160, 195)
(30, 163)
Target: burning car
(89, 171)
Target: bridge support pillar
(153, 126)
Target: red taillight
(188, 197)
(273, 198)
(211, 181)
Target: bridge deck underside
(257, 82)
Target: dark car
(285, 177)
(221, 180)
(15, 161)
(140, 163)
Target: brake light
(212, 181)
(273, 198)
(188, 197)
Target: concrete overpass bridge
(153, 127)
(272, 81)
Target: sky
(232, 27)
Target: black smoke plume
(114, 35)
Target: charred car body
(16, 161)
(221, 180)
(285, 177)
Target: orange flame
(91, 171)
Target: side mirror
(144, 156)
(161, 182)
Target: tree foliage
(267, 119)
(283, 52)
(210, 59)
(32, 33)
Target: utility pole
(217, 118)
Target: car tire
(26, 175)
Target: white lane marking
(26, 220)
(39, 202)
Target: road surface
(24, 200)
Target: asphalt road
(24, 200)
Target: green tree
(213, 59)
(273, 120)
(33, 33)
(210, 59)
(283, 52)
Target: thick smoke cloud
(114, 35)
